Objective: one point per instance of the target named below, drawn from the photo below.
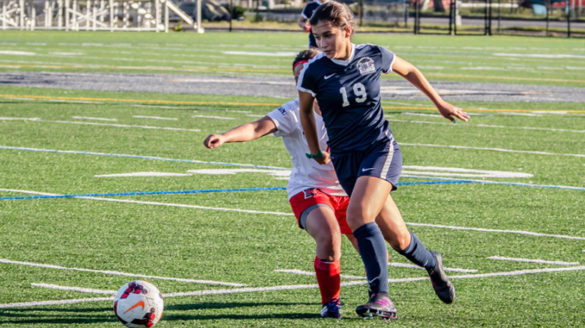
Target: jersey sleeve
(307, 81)
(285, 118)
(387, 59)
(306, 12)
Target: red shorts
(306, 200)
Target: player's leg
(322, 226)
(407, 244)
(316, 215)
(366, 201)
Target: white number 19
(360, 94)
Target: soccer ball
(138, 304)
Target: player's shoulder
(315, 63)
(368, 49)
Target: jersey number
(360, 94)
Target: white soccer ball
(138, 304)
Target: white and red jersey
(306, 173)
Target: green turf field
(502, 197)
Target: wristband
(319, 154)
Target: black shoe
(332, 309)
(441, 283)
(380, 305)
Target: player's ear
(347, 31)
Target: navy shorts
(382, 160)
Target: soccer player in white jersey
(345, 80)
(317, 200)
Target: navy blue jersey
(348, 93)
(307, 13)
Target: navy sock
(418, 254)
(374, 255)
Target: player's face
(332, 40)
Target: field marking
(75, 289)
(391, 264)
(156, 118)
(487, 125)
(533, 152)
(118, 273)
(94, 118)
(20, 118)
(156, 158)
(307, 273)
(213, 117)
(293, 287)
(123, 126)
(142, 174)
(140, 193)
(254, 104)
(514, 259)
(521, 232)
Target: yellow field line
(251, 104)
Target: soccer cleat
(332, 309)
(380, 305)
(441, 283)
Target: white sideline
(290, 287)
(118, 273)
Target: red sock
(328, 278)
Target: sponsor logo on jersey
(366, 66)
(327, 77)
(282, 110)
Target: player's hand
(325, 159)
(451, 112)
(213, 141)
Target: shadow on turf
(176, 312)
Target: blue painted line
(118, 194)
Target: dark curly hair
(305, 55)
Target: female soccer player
(345, 80)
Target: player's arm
(310, 127)
(242, 133)
(303, 23)
(416, 78)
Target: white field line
(213, 117)
(391, 264)
(156, 118)
(521, 232)
(514, 259)
(118, 273)
(485, 125)
(95, 118)
(293, 287)
(125, 126)
(20, 119)
(306, 273)
(104, 124)
(75, 289)
(533, 152)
